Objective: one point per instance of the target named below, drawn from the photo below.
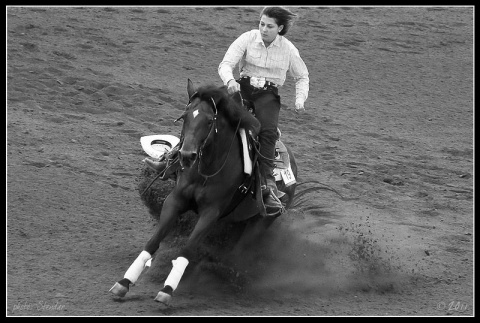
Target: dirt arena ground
(389, 125)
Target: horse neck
(224, 145)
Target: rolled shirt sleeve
(299, 71)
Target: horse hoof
(163, 297)
(118, 290)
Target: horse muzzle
(187, 158)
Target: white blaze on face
(195, 113)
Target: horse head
(199, 125)
(212, 116)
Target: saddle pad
(280, 147)
(282, 159)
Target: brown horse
(208, 181)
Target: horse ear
(190, 88)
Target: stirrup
(274, 210)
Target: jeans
(267, 110)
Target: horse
(208, 181)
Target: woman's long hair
(282, 16)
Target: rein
(224, 162)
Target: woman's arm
(299, 71)
(233, 55)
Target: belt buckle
(257, 82)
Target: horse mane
(233, 111)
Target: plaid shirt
(255, 59)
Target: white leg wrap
(247, 162)
(137, 267)
(176, 273)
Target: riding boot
(273, 206)
(157, 166)
(168, 159)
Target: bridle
(213, 130)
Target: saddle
(282, 159)
(252, 182)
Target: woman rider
(264, 56)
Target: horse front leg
(171, 209)
(205, 222)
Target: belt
(267, 83)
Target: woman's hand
(299, 108)
(232, 87)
